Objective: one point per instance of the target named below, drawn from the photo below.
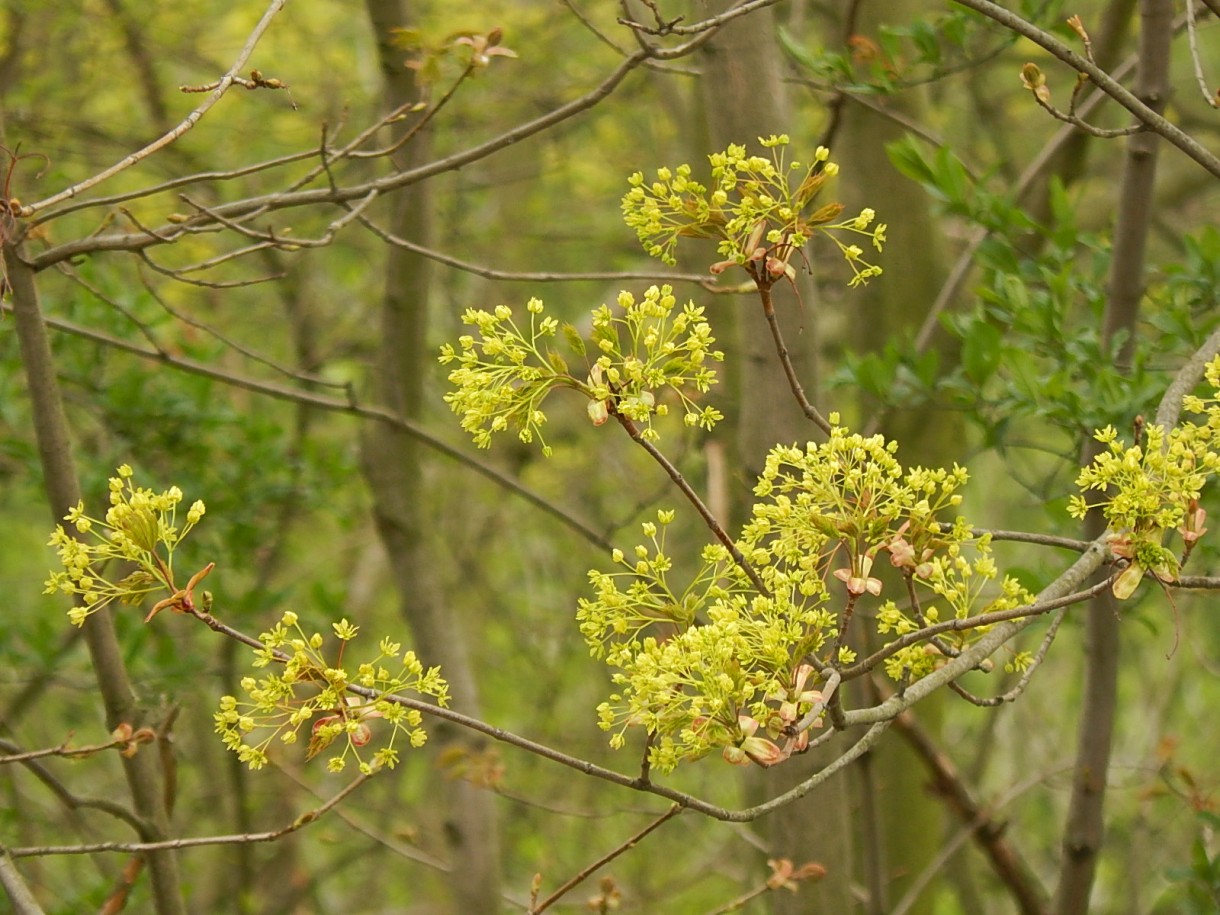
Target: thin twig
(284, 200)
(1145, 114)
(585, 872)
(712, 22)
(1027, 674)
(688, 491)
(491, 273)
(187, 123)
(349, 405)
(1212, 98)
(971, 622)
(91, 848)
(811, 412)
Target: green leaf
(981, 351)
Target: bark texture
(395, 469)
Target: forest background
(250, 304)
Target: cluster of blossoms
(758, 208)
(308, 689)
(718, 665)
(1151, 488)
(646, 345)
(141, 527)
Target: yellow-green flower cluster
(308, 688)
(1148, 487)
(652, 345)
(702, 667)
(141, 526)
(647, 345)
(759, 209)
(504, 374)
(1151, 488)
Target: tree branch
(165, 139)
(1143, 112)
(340, 405)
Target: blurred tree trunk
(745, 98)
(393, 464)
(1084, 831)
(150, 800)
(902, 823)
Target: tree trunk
(143, 772)
(744, 97)
(1084, 831)
(909, 822)
(394, 467)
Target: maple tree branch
(166, 139)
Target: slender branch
(1075, 120)
(1196, 582)
(972, 622)
(16, 755)
(395, 181)
(91, 848)
(1146, 114)
(187, 123)
(335, 404)
(172, 184)
(704, 25)
(77, 802)
(15, 887)
(528, 276)
(1212, 98)
(605, 859)
(952, 286)
(693, 497)
(1027, 675)
(997, 535)
(810, 411)
(1007, 864)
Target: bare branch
(187, 123)
(1145, 114)
(672, 27)
(334, 404)
(285, 200)
(91, 848)
(15, 887)
(529, 276)
(585, 872)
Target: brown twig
(811, 412)
(585, 872)
(90, 848)
(988, 832)
(166, 139)
(688, 491)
